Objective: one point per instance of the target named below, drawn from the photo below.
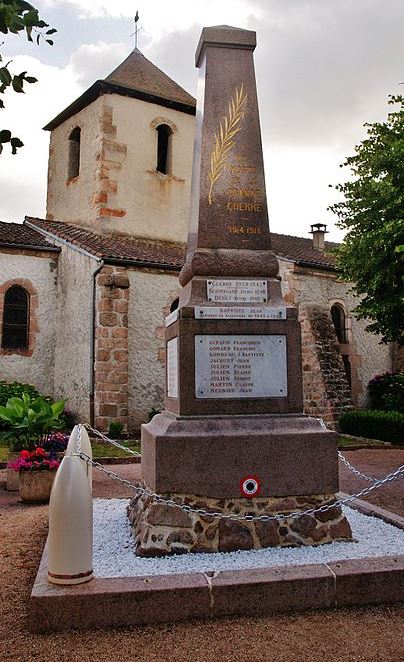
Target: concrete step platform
(128, 601)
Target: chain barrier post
(79, 441)
(70, 553)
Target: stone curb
(128, 601)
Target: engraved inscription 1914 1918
(234, 376)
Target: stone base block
(290, 455)
(160, 529)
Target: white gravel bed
(114, 555)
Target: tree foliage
(372, 253)
(18, 16)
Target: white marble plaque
(237, 291)
(172, 368)
(240, 366)
(171, 318)
(239, 313)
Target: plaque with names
(171, 318)
(242, 366)
(172, 368)
(240, 313)
(237, 291)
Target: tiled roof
(21, 236)
(135, 77)
(138, 73)
(301, 251)
(116, 246)
(161, 253)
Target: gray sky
(324, 67)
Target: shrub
(115, 429)
(374, 424)
(386, 392)
(153, 412)
(29, 419)
(70, 418)
(15, 390)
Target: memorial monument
(232, 438)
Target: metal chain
(78, 445)
(356, 471)
(398, 473)
(111, 441)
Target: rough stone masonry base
(160, 529)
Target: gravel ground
(355, 635)
(114, 557)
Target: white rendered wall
(73, 336)
(37, 369)
(149, 299)
(155, 205)
(71, 201)
(118, 188)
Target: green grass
(104, 449)
(100, 449)
(4, 452)
(345, 442)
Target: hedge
(374, 424)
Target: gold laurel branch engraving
(228, 128)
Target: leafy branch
(229, 127)
(19, 16)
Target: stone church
(84, 292)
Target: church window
(174, 305)
(15, 318)
(339, 321)
(164, 134)
(74, 153)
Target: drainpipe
(92, 339)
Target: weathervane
(137, 29)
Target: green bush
(386, 392)
(374, 424)
(15, 390)
(28, 419)
(115, 429)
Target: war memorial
(232, 464)
(233, 437)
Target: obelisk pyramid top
(228, 230)
(224, 36)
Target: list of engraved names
(245, 366)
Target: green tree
(18, 16)
(372, 211)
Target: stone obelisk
(233, 438)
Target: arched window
(15, 318)
(174, 305)
(164, 134)
(74, 153)
(338, 318)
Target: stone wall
(111, 348)
(305, 288)
(37, 273)
(325, 388)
